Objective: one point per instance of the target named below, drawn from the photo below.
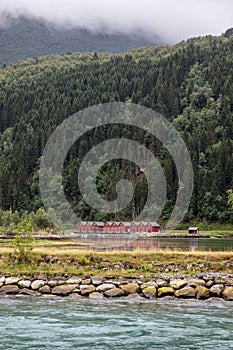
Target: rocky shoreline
(200, 286)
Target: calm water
(67, 324)
(108, 241)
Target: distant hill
(24, 38)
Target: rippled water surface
(67, 324)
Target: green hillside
(191, 84)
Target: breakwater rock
(200, 286)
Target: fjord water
(30, 323)
(124, 242)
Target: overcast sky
(172, 20)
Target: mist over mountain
(171, 20)
(26, 37)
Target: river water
(30, 323)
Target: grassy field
(66, 257)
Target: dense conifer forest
(190, 83)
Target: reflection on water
(122, 242)
(193, 243)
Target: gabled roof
(126, 223)
(117, 223)
(154, 223)
(82, 223)
(145, 223)
(98, 223)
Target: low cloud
(170, 20)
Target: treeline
(191, 84)
(12, 223)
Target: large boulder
(164, 291)
(86, 289)
(56, 282)
(149, 284)
(186, 292)
(161, 283)
(45, 289)
(202, 292)
(194, 282)
(177, 283)
(209, 283)
(10, 289)
(37, 284)
(104, 287)
(11, 280)
(149, 292)
(228, 293)
(116, 282)
(64, 289)
(74, 280)
(24, 284)
(130, 288)
(33, 293)
(96, 280)
(115, 292)
(216, 290)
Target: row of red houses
(117, 227)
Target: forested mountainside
(24, 38)
(191, 84)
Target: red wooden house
(85, 226)
(98, 226)
(144, 227)
(118, 227)
(81, 227)
(108, 227)
(127, 227)
(155, 227)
